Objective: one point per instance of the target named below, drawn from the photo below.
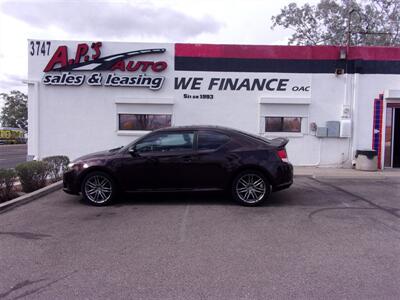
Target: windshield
(115, 149)
(126, 147)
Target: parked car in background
(192, 158)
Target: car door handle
(187, 159)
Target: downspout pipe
(34, 131)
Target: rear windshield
(260, 138)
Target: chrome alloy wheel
(250, 188)
(98, 189)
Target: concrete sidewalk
(345, 173)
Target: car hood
(97, 155)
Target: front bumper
(71, 183)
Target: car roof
(218, 128)
(196, 127)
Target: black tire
(253, 185)
(98, 189)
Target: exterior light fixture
(343, 54)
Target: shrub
(57, 166)
(7, 180)
(32, 175)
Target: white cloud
(9, 81)
(110, 19)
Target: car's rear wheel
(98, 189)
(250, 188)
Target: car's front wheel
(98, 189)
(250, 188)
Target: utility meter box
(345, 128)
(346, 111)
(321, 132)
(333, 128)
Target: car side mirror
(132, 151)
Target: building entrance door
(396, 138)
(392, 136)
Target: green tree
(15, 111)
(327, 22)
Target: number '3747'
(39, 48)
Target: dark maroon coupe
(193, 158)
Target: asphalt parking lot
(321, 239)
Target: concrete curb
(343, 176)
(377, 176)
(30, 197)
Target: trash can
(366, 160)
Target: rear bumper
(284, 178)
(282, 186)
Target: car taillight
(283, 155)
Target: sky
(191, 21)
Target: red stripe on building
(374, 53)
(286, 52)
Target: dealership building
(329, 101)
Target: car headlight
(77, 165)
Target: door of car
(160, 161)
(210, 167)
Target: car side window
(164, 142)
(211, 140)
